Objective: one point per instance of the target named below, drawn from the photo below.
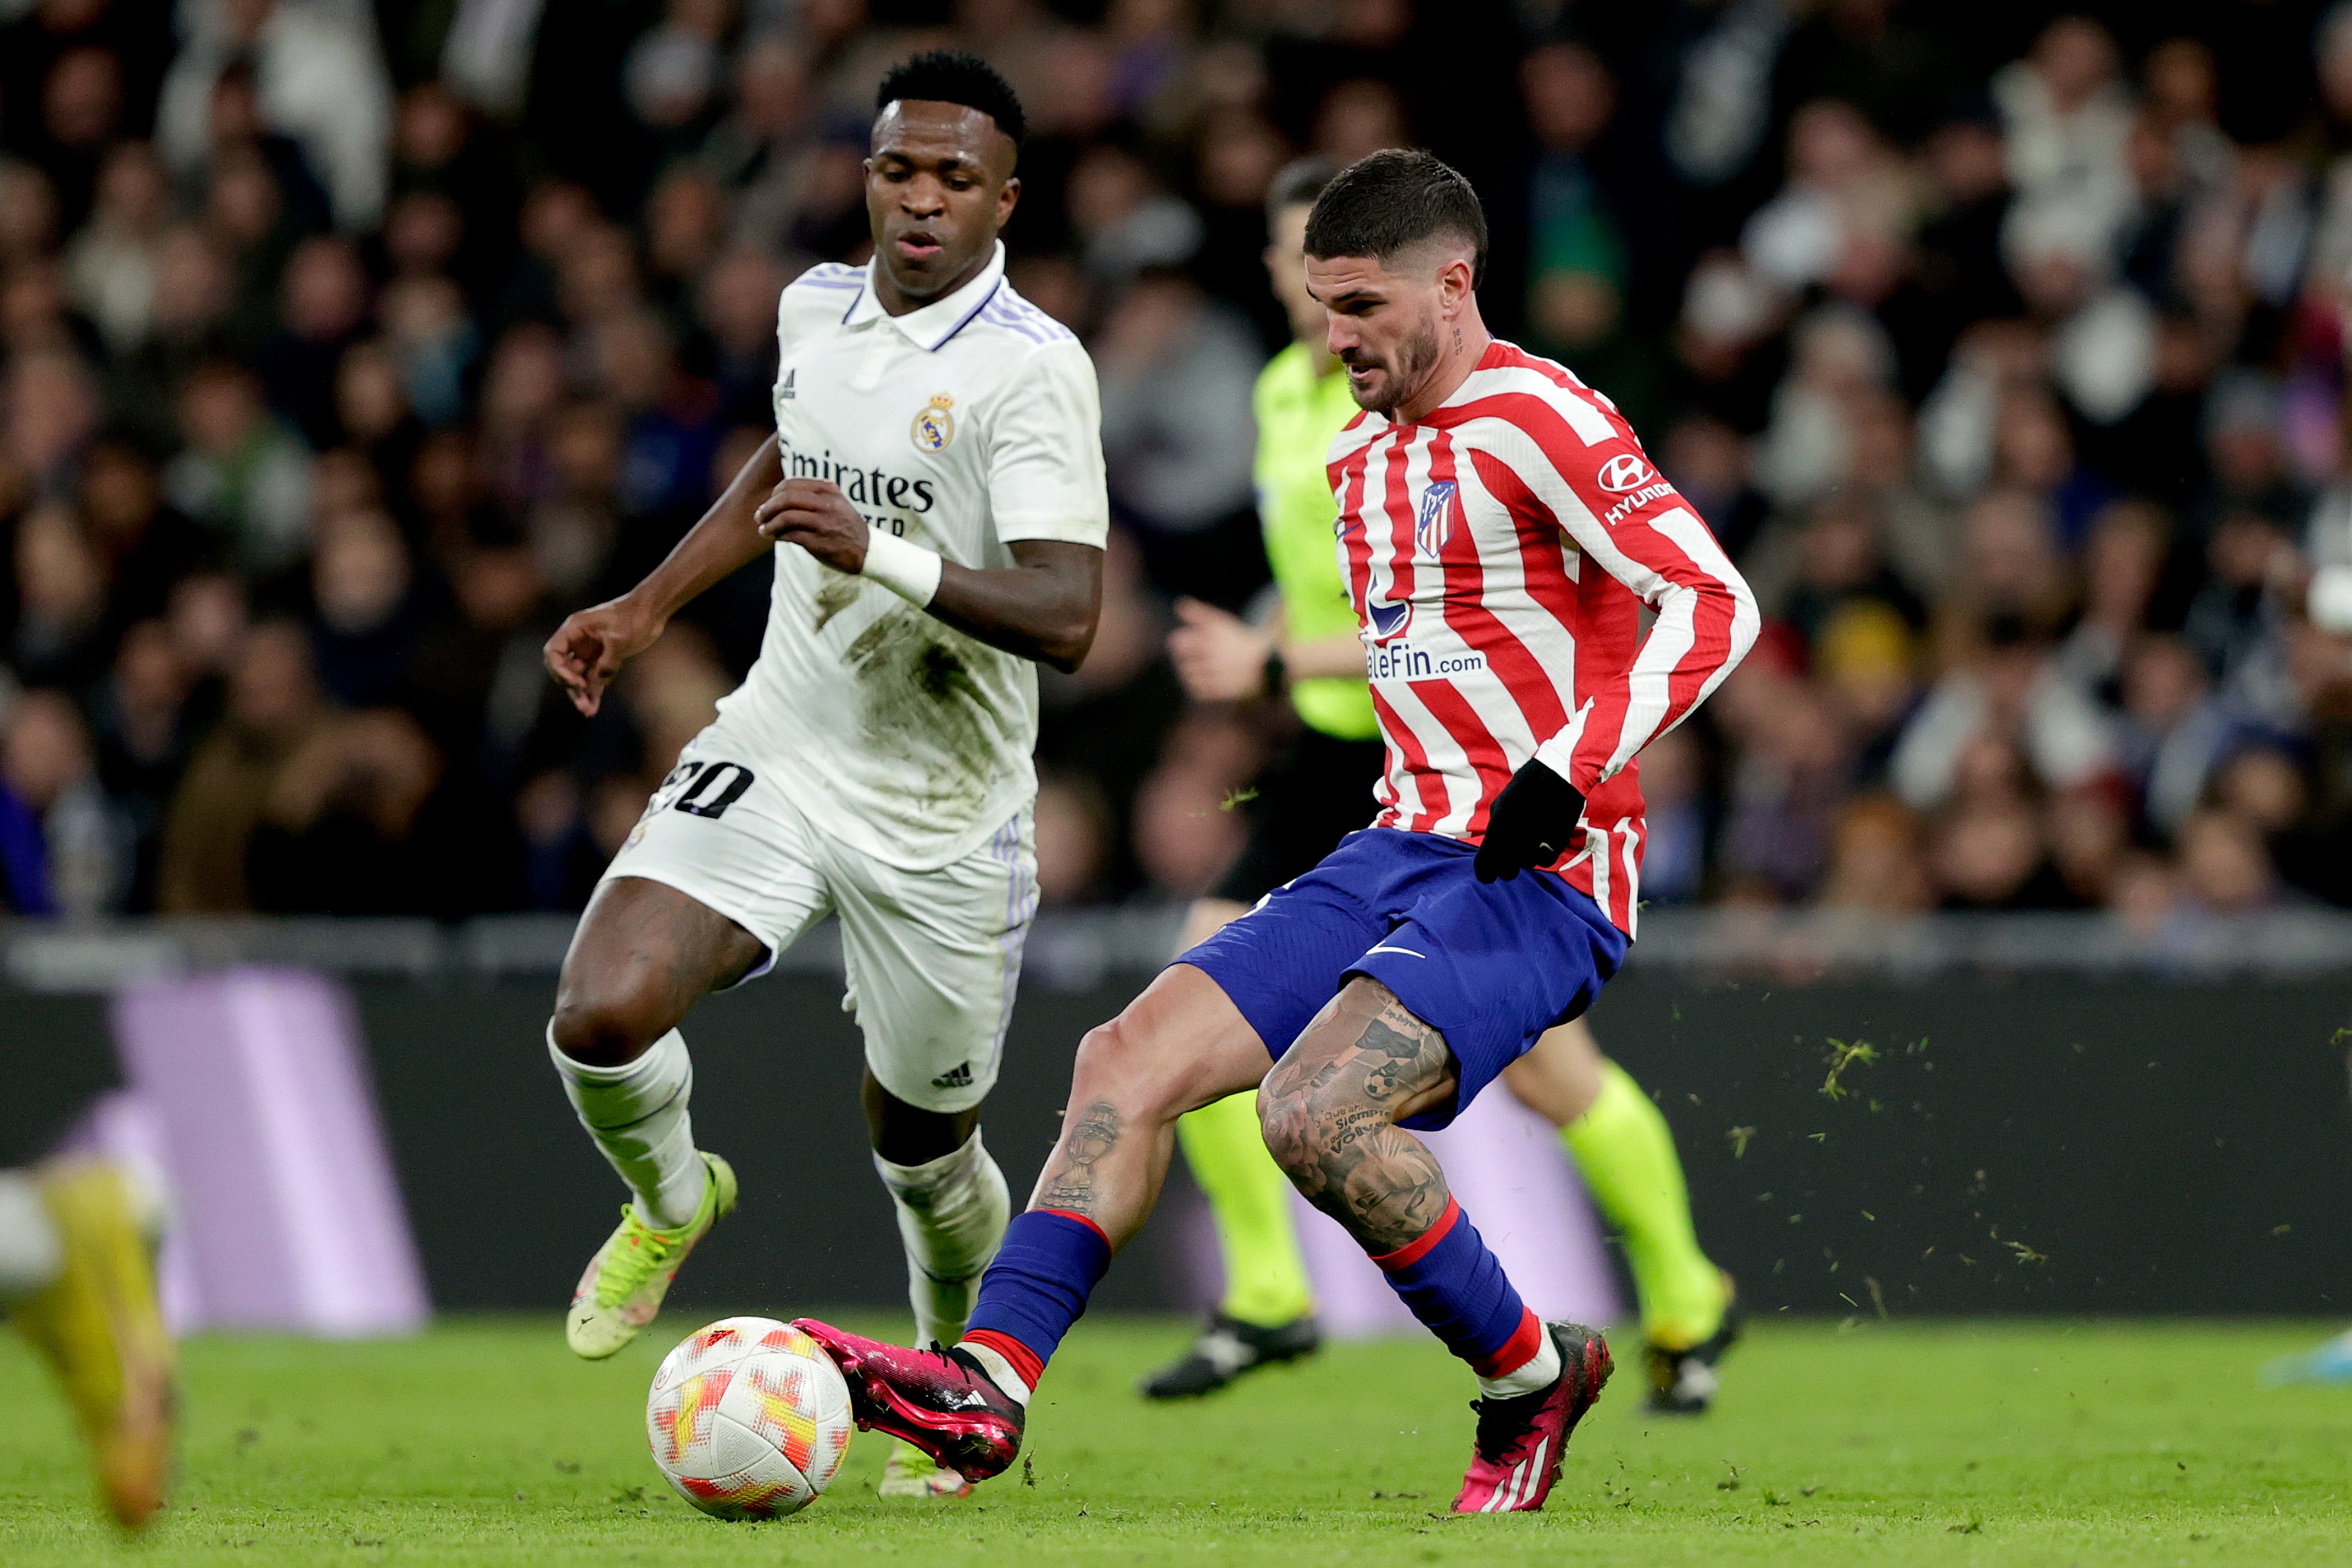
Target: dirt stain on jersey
(939, 672)
(839, 593)
(924, 706)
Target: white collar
(931, 325)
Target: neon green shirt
(1298, 413)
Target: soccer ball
(748, 1419)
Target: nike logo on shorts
(1386, 948)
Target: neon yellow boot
(100, 1327)
(623, 1289)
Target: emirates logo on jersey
(1434, 524)
(1625, 472)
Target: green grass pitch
(1885, 1444)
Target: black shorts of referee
(1317, 790)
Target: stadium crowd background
(347, 349)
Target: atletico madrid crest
(1435, 524)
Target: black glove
(1532, 821)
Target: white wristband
(908, 570)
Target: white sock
(637, 1115)
(31, 1253)
(1000, 1370)
(951, 1214)
(1541, 1371)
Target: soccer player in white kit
(934, 498)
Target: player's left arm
(1044, 609)
(1706, 614)
(1645, 536)
(1047, 493)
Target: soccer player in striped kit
(1501, 530)
(1316, 793)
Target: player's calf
(1329, 1110)
(951, 1215)
(1127, 1087)
(643, 954)
(639, 1113)
(1179, 1045)
(965, 1405)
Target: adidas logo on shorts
(956, 1077)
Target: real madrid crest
(935, 427)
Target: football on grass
(748, 1419)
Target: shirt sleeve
(1045, 457)
(816, 298)
(1629, 521)
(788, 326)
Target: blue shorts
(1489, 966)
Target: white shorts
(932, 957)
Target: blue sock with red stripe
(1048, 1265)
(1456, 1287)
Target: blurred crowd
(344, 348)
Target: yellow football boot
(100, 1327)
(623, 1288)
(910, 1472)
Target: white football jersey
(964, 425)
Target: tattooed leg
(1091, 1138)
(1177, 1046)
(1330, 1107)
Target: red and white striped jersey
(1470, 540)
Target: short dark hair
(1296, 184)
(955, 75)
(1391, 200)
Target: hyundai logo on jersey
(1656, 490)
(1623, 473)
(1388, 619)
(1434, 526)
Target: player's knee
(603, 1029)
(1120, 1062)
(1291, 1122)
(1109, 1055)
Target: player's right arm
(589, 649)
